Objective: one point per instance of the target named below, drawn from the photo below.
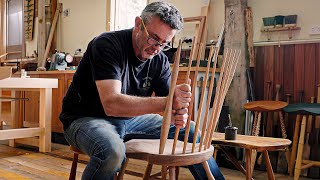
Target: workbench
(43, 131)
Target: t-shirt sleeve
(105, 60)
(163, 82)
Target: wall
(86, 20)
(307, 11)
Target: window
(14, 29)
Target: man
(109, 100)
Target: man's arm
(117, 104)
(121, 105)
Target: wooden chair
(170, 153)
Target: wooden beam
(108, 15)
(20, 133)
(2, 26)
(41, 32)
(235, 39)
(52, 30)
(249, 33)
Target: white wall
(86, 20)
(307, 11)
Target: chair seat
(265, 106)
(303, 108)
(148, 150)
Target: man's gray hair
(165, 11)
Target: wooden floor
(27, 163)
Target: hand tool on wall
(267, 119)
(276, 114)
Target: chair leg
(207, 169)
(172, 174)
(123, 170)
(297, 169)
(164, 172)
(294, 145)
(1, 125)
(177, 172)
(147, 172)
(73, 170)
(269, 167)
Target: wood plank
(21, 170)
(32, 83)
(135, 168)
(299, 63)
(310, 72)
(288, 74)
(259, 73)
(288, 69)
(278, 71)
(268, 72)
(268, 87)
(251, 142)
(20, 133)
(317, 65)
(41, 40)
(249, 32)
(2, 27)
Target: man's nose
(156, 48)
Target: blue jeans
(103, 140)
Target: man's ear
(137, 22)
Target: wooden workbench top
(49, 72)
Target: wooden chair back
(226, 73)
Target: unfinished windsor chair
(170, 153)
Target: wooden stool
(264, 106)
(73, 170)
(303, 109)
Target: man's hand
(181, 100)
(179, 117)
(182, 96)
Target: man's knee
(111, 156)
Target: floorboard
(25, 163)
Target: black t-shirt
(111, 56)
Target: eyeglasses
(153, 42)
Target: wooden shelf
(280, 29)
(290, 29)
